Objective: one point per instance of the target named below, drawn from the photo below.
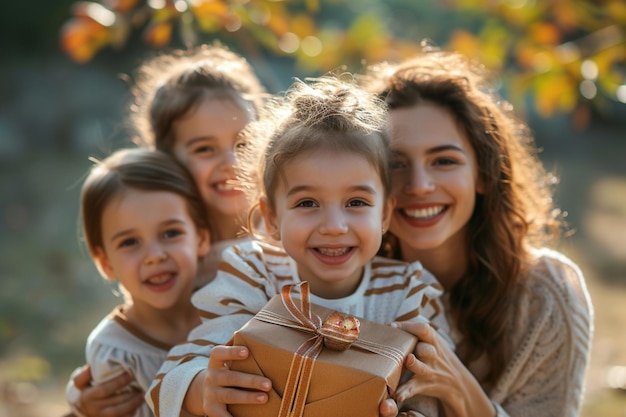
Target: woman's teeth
(424, 213)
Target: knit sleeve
(240, 289)
(552, 328)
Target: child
(323, 191)
(192, 105)
(145, 227)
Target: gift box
(297, 345)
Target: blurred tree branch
(566, 56)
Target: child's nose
(333, 222)
(155, 253)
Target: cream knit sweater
(550, 334)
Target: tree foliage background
(569, 56)
(64, 86)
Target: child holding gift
(323, 191)
(145, 226)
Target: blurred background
(64, 91)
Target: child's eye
(358, 203)
(172, 233)
(127, 242)
(203, 149)
(306, 203)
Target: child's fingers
(238, 396)
(228, 378)
(221, 355)
(82, 378)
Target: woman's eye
(445, 161)
(397, 164)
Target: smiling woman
(475, 207)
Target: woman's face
(205, 143)
(434, 180)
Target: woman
(474, 205)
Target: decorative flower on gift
(340, 331)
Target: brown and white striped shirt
(251, 274)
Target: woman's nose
(419, 182)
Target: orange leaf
(209, 8)
(82, 38)
(121, 5)
(545, 33)
(158, 34)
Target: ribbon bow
(301, 369)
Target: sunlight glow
(156, 4)
(312, 46)
(233, 24)
(621, 93)
(588, 89)
(181, 6)
(289, 42)
(101, 14)
(589, 70)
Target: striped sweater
(251, 273)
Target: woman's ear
(269, 218)
(103, 264)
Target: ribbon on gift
(301, 369)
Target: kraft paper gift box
(310, 379)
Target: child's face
(206, 138)
(330, 211)
(151, 246)
(434, 179)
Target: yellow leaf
(302, 25)
(555, 92)
(312, 5)
(464, 43)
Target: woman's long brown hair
(515, 211)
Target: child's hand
(221, 386)
(107, 399)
